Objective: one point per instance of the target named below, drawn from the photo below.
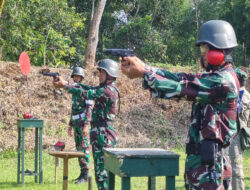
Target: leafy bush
(48, 30)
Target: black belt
(102, 123)
(195, 148)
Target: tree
(1, 6)
(48, 30)
(93, 34)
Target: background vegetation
(54, 32)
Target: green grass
(8, 174)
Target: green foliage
(166, 31)
(147, 43)
(48, 30)
(55, 32)
(2, 125)
(8, 154)
(237, 12)
(238, 56)
(62, 130)
(50, 131)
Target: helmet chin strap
(228, 59)
(106, 80)
(209, 67)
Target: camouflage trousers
(236, 156)
(82, 144)
(101, 137)
(203, 177)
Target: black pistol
(51, 74)
(119, 52)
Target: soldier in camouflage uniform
(106, 97)
(79, 121)
(214, 95)
(235, 150)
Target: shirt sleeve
(74, 89)
(89, 107)
(203, 87)
(93, 94)
(78, 89)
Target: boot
(83, 177)
(77, 177)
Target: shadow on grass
(9, 185)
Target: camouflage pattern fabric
(101, 137)
(235, 150)
(79, 106)
(104, 111)
(244, 115)
(82, 144)
(214, 111)
(236, 156)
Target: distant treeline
(54, 32)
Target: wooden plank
(65, 173)
(66, 154)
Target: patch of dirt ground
(142, 122)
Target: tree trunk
(92, 10)
(197, 20)
(93, 34)
(1, 6)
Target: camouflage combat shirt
(214, 97)
(105, 98)
(79, 105)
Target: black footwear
(77, 178)
(83, 177)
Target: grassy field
(8, 174)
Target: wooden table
(66, 155)
(36, 124)
(138, 162)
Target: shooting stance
(80, 121)
(214, 97)
(106, 97)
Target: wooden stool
(141, 162)
(36, 124)
(66, 155)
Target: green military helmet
(218, 33)
(78, 71)
(110, 66)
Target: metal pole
(28, 93)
